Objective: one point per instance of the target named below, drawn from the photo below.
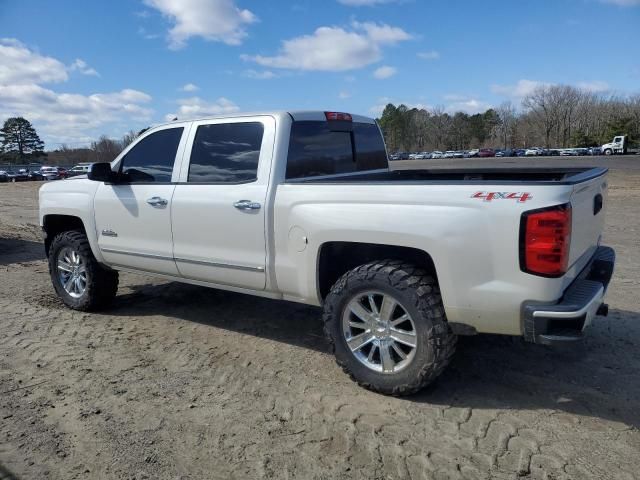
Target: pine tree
(19, 139)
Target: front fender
(72, 198)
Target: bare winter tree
(105, 149)
(128, 138)
(507, 115)
(541, 107)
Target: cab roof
(296, 115)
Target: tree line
(21, 144)
(551, 116)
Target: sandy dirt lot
(182, 382)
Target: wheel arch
(335, 258)
(53, 224)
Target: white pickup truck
(302, 206)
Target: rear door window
(314, 149)
(226, 153)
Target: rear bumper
(563, 322)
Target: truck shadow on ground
(15, 250)
(598, 378)
(6, 474)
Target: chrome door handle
(157, 202)
(247, 205)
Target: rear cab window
(319, 148)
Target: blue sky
(80, 69)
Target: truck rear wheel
(386, 326)
(77, 277)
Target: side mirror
(100, 172)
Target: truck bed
(468, 176)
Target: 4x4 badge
(489, 196)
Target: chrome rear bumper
(563, 322)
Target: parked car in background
(533, 152)
(506, 153)
(569, 152)
(449, 154)
(53, 173)
(520, 152)
(80, 169)
(36, 175)
(458, 154)
(486, 152)
(22, 175)
(437, 154)
(4, 176)
(472, 153)
(594, 151)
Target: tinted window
(370, 151)
(316, 150)
(151, 159)
(226, 152)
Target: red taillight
(331, 116)
(545, 237)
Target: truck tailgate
(588, 202)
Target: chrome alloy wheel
(72, 272)
(379, 332)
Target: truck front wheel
(608, 151)
(77, 277)
(387, 328)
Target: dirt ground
(182, 382)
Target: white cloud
(189, 87)
(144, 33)
(364, 3)
(70, 117)
(384, 72)
(381, 33)
(429, 55)
(214, 20)
(58, 116)
(623, 3)
(259, 75)
(20, 65)
(597, 86)
(525, 87)
(384, 101)
(344, 95)
(81, 66)
(470, 106)
(194, 107)
(334, 48)
(520, 90)
(454, 97)
(461, 104)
